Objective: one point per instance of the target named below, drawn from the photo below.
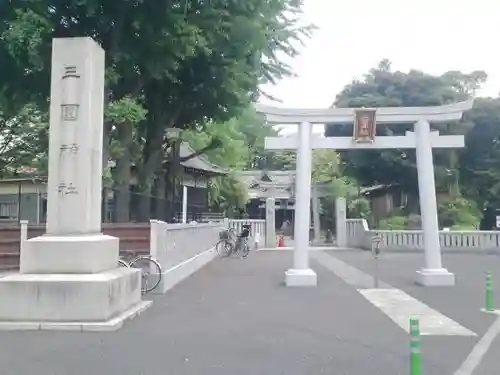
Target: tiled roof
(279, 178)
(280, 186)
(200, 162)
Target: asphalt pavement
(235, 316)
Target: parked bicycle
(150, 271)
(232, 243)
(227, 242)
(242, 246)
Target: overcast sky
(354, 35)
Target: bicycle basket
(224, 234)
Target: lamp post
(174, 136)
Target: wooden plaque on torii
(365, 125)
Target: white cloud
(431, 35)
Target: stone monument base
(435, 277)
(89, 253)
(302, 277)
(81, 302)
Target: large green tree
(180, 63)
(385, 87)
(227, 194)
(479, 162)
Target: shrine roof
(200, 162)
(277, 178)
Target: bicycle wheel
(150, 272)
(122, 263)
(224, 248)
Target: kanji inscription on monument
(64, 189)
(70, 87)
(364, 125)
(72, 147)
(69, 112)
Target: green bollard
(488, 292)
(415, 358)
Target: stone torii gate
(364, 137)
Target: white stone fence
(257, 227)
(182, 249)
(359, 236)
(172, 244)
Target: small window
(8, 210)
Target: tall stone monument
(69, 277)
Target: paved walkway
(290, 245)
(236, 317)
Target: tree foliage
(183, 64)
(471, 172)
(479, 162)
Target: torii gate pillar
(301, 274)
(433, 274)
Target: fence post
(341, 222)
(153, 238)
(257, 240)
(270, 222)
(24, 234)
(375, 248)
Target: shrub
(394, 223)
(458, 213)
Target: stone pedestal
(70, 254)
(435, 277)
(69, 278)
(79, 302)
(301, 277)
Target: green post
(488, 291)
(415, 359)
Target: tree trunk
(122, 173)
(144, 203)
(454, 185)
(105, 158)
(122, 190)
(169, 200)
(160, 195)
(153, 154)
(152, 162)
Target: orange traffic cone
(281, 241)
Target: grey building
(23, 198)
